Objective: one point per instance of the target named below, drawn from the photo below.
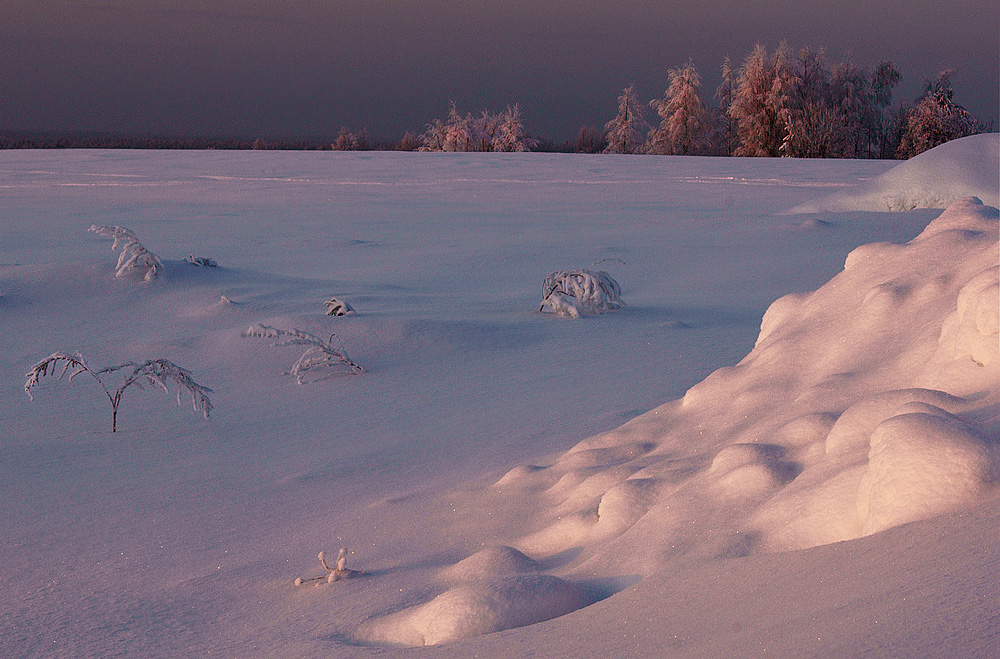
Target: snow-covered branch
(318, 355)
(134, 255)
(154, 372)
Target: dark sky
(303, 68)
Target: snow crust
(965, 167)
(859, 428)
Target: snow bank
(961, 168)
(866, 404)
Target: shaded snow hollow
(864, 405)
(969, 166)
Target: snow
(786, 444)
(965, 167)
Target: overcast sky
(303, 68)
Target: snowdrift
(869, 403)
(965, 167)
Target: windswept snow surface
(495, 468)
(966, 167)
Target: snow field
(865, 404)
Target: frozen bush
(335, 307)
(576, 292)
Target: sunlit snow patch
(866, 404)
(961, 168)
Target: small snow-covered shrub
(576, 292)
(319, 355)
(153, 372)
(335, 307)
(202, 261)
(336, 573)
(134, 255)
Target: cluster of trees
(485, 132)
(780, 105)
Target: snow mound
(969, 166)
(868, 403)
(491, 562)
(478, 607)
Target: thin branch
(319, 354)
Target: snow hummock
(969, 166)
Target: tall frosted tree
(684, 122)
(626, 132)
(851, 96)
(811, 127)
(509, 134)
(884, 78)
(936, 119)
(760, 106)
(725, 124)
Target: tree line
(773, 104)
(779, 105)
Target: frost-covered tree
(509, 134)
(884, 78)
(684, 122)
(433, 138)
(459, 133)
(936, 119)
(134, 255)
(726, 125)
(851, 95)
(155, 373)
(589, 140)
(814, 133)
(812, 128)
(761, 102)
(626, 132)
(346, 140)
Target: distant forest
(772, 105)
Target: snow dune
(869, 403)
(935, 178)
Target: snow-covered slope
(864, 405)
(969, 166)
